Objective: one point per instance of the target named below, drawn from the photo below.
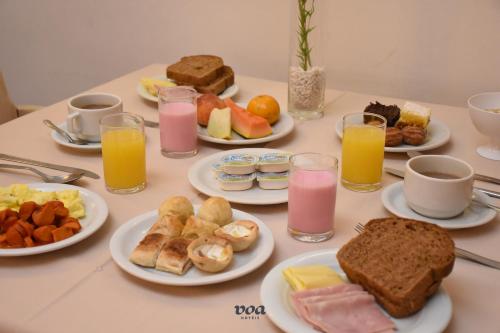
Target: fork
(461, 253)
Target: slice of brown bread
(399, 261)
(197, 70)
(219, 85)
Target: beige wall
(432, 50)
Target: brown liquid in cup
(95, 106)
(439, 175)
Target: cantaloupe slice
(219, 123)
(246, 124)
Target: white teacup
(438, 186)
(85, 112)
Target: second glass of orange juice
(123, 153)
(363, 142)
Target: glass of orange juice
(363, 142)
(123, 152)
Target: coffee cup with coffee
(438, 186)
(85, 112)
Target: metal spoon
(46, 178)
(65, 134)
(485, 204)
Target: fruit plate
(96, 213)
(128, 235)
(437, 135)
(229, 92)
(280, 129)
(274, 295)
(200, 175)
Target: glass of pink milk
(178, 122)
(312, 190)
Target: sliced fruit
(247, 124)
(206, 103)
(265, 106)
(219, 124)
(152, 85)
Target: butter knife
(401, 173)
(149, 123)
(49, 165)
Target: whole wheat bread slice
(221, 83)
(399, 261)
(197, 70)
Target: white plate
(394, 201)
(229, 92)
(280, 129)
(126, 238)
(200, 175)
(96, 212)
(433, 317)
(62, 141)
(437, 135)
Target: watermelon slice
(246, 124)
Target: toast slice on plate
(197, 70)
(399, 261)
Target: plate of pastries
(409, 128)
(206, 73)
(188, 245)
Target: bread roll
(177, 205)
(216, 210)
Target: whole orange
(265, 106)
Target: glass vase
(306, 72)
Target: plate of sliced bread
(185, 245)
(398, 263)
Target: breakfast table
(81, 289)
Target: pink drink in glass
(178, 127)
(311, 202)
(178, 121)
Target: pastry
(413, 114)
(229, 182)
(173, 256)
(389, 112)
(216, 210)
(413, 135)
(210, 254)
(393, 137)
(168, 225)
(240, 234)
(196, 227)
(177, 205)
(146, 253)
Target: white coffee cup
(438, 186)
(85, 112)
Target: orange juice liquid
(124, 158)
(362, 154)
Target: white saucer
(274, 295)
(394, 201)
(437, 135)
(229, 92)
(62, 141)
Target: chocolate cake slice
(389, 112)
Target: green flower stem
(304, 50)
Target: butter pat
(238, 164)
(272, 180)
(413, 114)
(274, 162)
(310, 277)
(229, 182)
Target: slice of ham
(341, 309)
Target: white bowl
(487, 122)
